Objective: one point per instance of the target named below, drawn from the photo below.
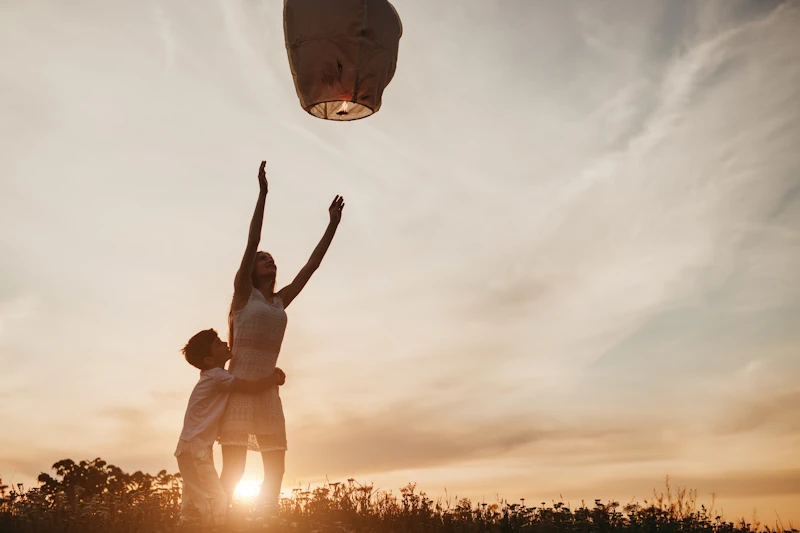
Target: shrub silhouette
(94, 496)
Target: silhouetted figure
(257, 322)
(202, 493)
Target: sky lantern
(342, 53)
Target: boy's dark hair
(199, 347)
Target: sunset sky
(569, 262)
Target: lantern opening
(341, 110)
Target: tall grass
(93, 496)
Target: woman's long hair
(254, 279)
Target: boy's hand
(275, 379)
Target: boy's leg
(201, 486)
(217, 501)
(191, 489)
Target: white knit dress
(256, 420)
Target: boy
(201, 487)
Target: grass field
(94, 496)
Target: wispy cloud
(775, 413)
(14, 310)
(163, 26)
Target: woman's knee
(274, 462)
(234, 458)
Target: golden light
(247, 489)
(343, 109)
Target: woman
(257, 322)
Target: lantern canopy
(342, 53)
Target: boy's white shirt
(206, 407)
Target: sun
(247, 489)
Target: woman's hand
(262, 178)
(335, 210)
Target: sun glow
(247, 489)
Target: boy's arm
(245, 385)
(248, 386)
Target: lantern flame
(343, 109)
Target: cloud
(775, 413)
(153, 429)
(163, 25)
(170, 397)
(16, 469)
(422, 433)
(15, 310)
(743, 483)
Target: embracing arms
(245, 385)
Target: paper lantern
(342, 53)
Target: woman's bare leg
(233, 461)
(274, 466)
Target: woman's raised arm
(243, 283)
(291, 291)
